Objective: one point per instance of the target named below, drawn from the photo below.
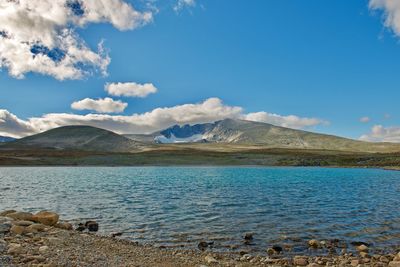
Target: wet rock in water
(46, 218)
(21, 216)
(274, 250)
(313, 243)
(116, 234)
(248, 236)
(64, 225)
(6, 212)
(14, 249)
(300, 261)
(92, 226)
(362, 248)
(203, 245)
(81, 227)
(210, 260)
(359, 243)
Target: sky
(138, 66)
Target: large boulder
(21, 216)
(46, 218)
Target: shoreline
(42, 240)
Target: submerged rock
(92, 226)
(248, 236)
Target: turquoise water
(178, 206)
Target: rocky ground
(42, 240)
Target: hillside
(240, 132)
(5, 139)
(84, 138)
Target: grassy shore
(175, 155)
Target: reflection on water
(180, 206)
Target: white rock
(210, 260)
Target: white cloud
(290, 121)
(105, 105)
(380, 133)
(391, 9)
(130, 89)
(210, 110)
(180, 4)
(365, 119)
(39, 36)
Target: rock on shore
(41, 240)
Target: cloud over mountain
(101, 105)
(40, 36)
(380, 133)
(210, 110)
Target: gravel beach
(42, 240)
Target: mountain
(85, 138)
(5, 139)
(230, 131)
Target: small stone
(21, 216)
(81, 227)
(116, 234)
(17, 230)
(64, 225)
(92, 226)
(5, 227)
(354, 263)
(210, 260)
(46, 218)
(364, 254)
(300, 261)
(313, 243)
(14, 249)
(394, 264)
(43, 249)
(397, 257)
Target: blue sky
(335, 61)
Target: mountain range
(225, 142)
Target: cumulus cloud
(180, 4)
(380, 133)
(391, 11)
(40, 36)
(210, 110)
(105, 105)
(365, 119)
(130, 89)
(290, 121)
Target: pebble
(43, 249)
(210, 260)
(64, 225)
(300, 261)
(3, 246)
(14, 248)
(394, 264)
(23, 223)
(17, 230)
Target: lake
(179, 206)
